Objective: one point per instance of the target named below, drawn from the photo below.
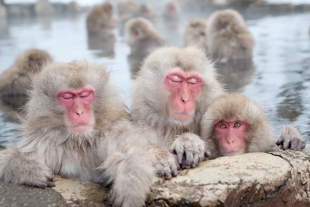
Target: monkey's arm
(128, 165)
(290, 138)
(190, 149)
(17, 167)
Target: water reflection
(280, 80)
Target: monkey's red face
(77, 103)
(183, 88)
(230, 134)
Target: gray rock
(12, 195)
(256, 179)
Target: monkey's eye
(67, 96)
(223, 126)
(176, 78)
(237, 125)
(192, 80)
(85, 94)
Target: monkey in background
(171, 10)
(147, 11)
(234, 124)
(143, 38)
(15, 82)
(76, 125)
(99, 19)
(228, 36)
(169, 96)
(196, 33)
(43, 7)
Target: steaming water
(279, 80)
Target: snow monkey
(234, 124)
(170, 94)
(228, 36)
(76, 125)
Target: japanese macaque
(234, 124)
(171, 92)
(196, 33)
(127, 9)
(146, 11)
(143, 38)
(15, 81)
(43, 7)
(76, 125)
(228, 36)
(99, 19)
(171, 10)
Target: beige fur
(17, 79)
(147, 11)
(112, 151)
(150, 100)
(99, 19)
(233, 40)
(143, 38)
(177, 10)
(196, 33)
(127, 9)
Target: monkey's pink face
(230, 134)
(77, 103)
(183, 88)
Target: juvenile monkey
(228, 36)
(76, 125)
(234, 124)
(171, 10)
(143, 38)
(147, 11)
(99, 19)
(196, 33)
(171, 92)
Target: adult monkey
(76, 125)
(172, 91)
(234, 124)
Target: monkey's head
(137, 29)
(176, 84)
(226, 21)
(31, 61)
(235, 123)
(73, 97)
(198, 29)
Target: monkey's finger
(280, 140)
(207, 154)
(295, 144)
(174, 169)
(180, 157)
(286, 143)
(195, 160)
(160, 172)
(50, 184)
(189, 158)
(39, 184)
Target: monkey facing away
(17, 79)
(196, 33)
(228, 36)
(234, 124)
(76, 125)
(170, 94)
(143, 38)
(100, 19)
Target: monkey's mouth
(182, 115)
(80, 127)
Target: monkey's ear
(135, 32)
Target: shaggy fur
(196, 33)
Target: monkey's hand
(16, 167)
(290, 138)
(165, 163)
(190, 150)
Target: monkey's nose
(79, 112)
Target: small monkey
(147, 11)
(234, 124)
(228, 36)
(171, 92)
(196, 33)
(76, 125)
(143, 38)
(171, 10)
(127, 9)
(99, 19)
